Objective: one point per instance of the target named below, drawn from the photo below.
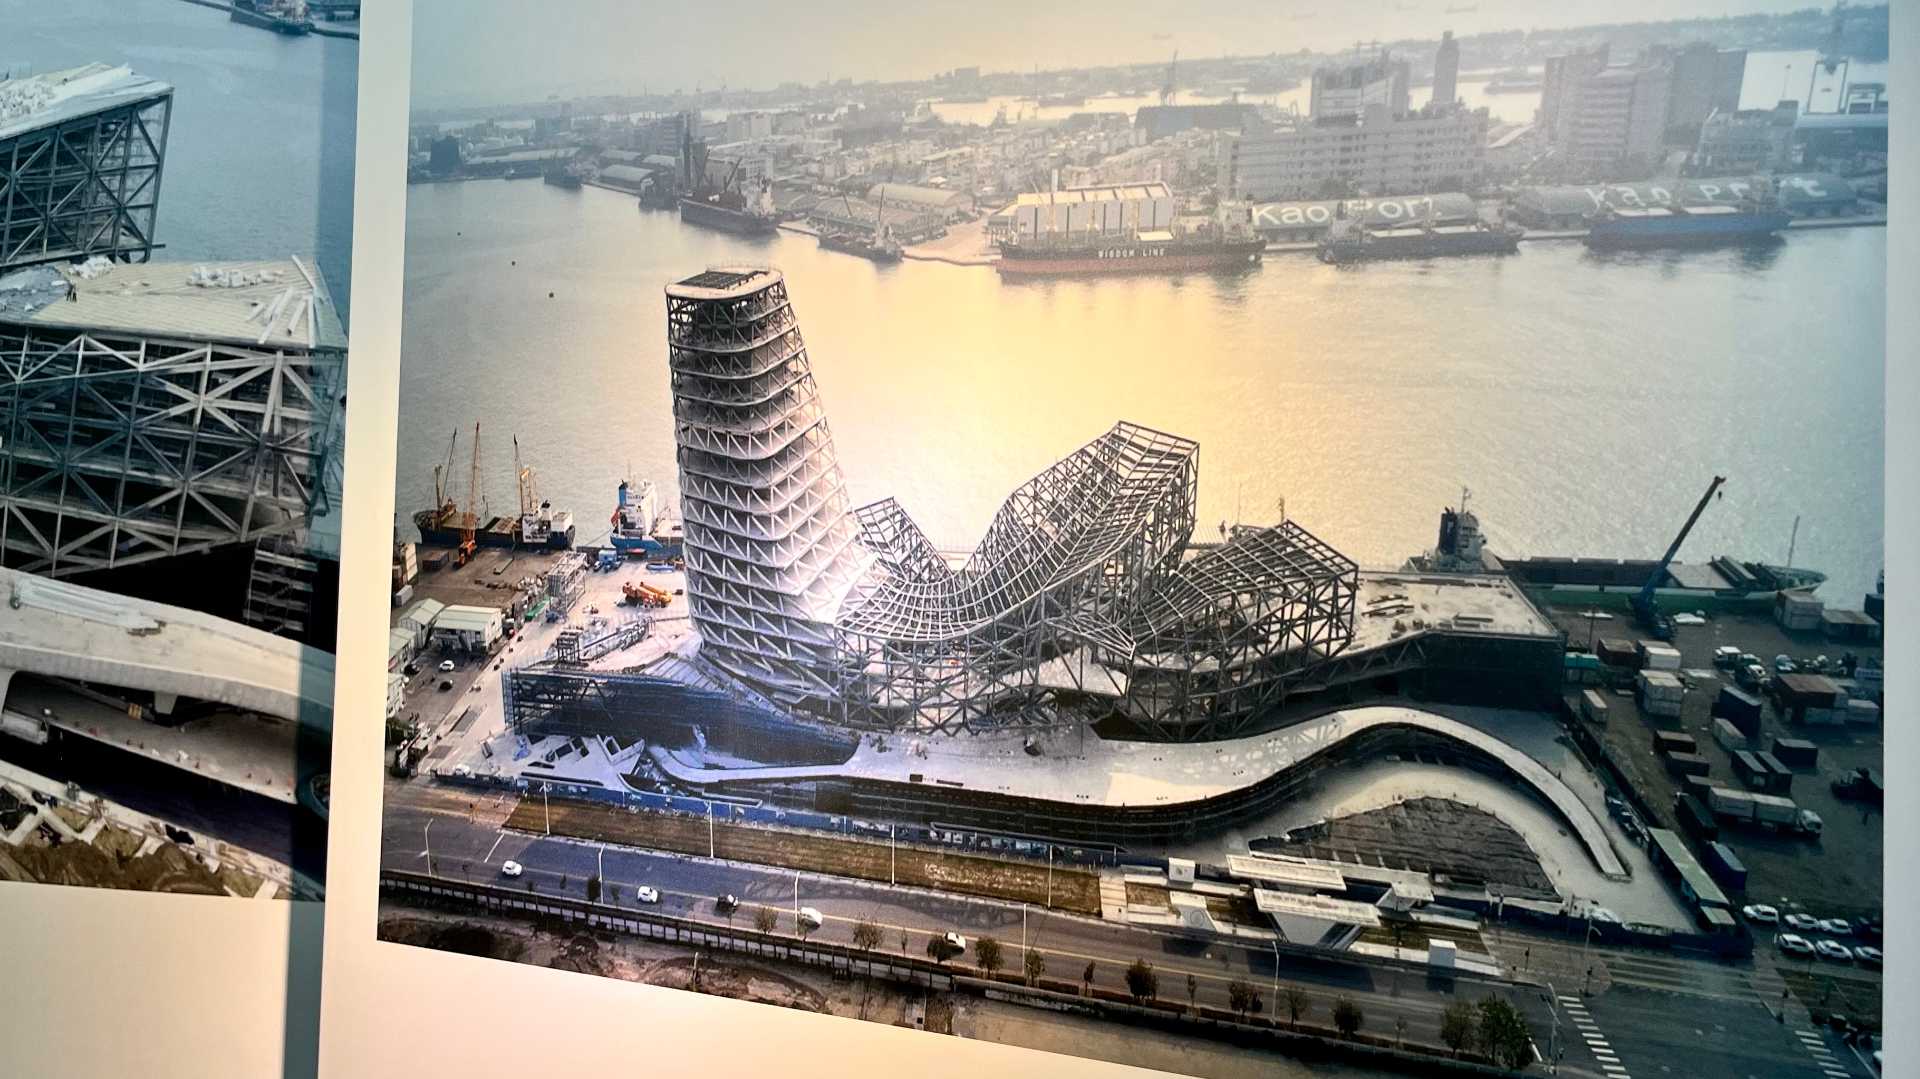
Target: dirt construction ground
(1021, 882)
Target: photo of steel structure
(1084, 601)
(81, 157)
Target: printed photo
(176, 185)
(1240, 541)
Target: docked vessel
(280, 16)
(538, 525)
(1720, 583)
(640, 527)
(1140, 252)
(563, 178)
(1685, 226)
(877, 244)
(1418, 241)
(725, 207)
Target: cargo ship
(1141, 252)
(565, 178)
(539, 525)
(877, 245)
(725, 207)
(1619, 228)
(1718, 584)
(1369, 243)
(280, 16)
(640, 527)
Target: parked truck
(1861, 785)
(1785, 815)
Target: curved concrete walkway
(62, 630)
(1088, 770)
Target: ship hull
(1131, 260)
(1617, 235)
(498, 533)
(264, 21)
(739, 222)
(860, 248)
(1422, 248)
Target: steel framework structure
(122, 448)
(1082, 600)
(86, 185)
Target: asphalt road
(467, 841)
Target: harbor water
(260, 146)
(1586, 399)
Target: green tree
(1240, 996)
(765, 920)
(1036, 966)
(1457, 1026)
(939, 949)
(866, 937)
(1503, 1033)
(1298, 1004)
(1347, 1016)
(613, 893)
(987, 953)
(1142, 982)
(593, 888)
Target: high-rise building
(1345, 92)
(1446, 71)
(1380, 154)
(1600, 117)
(1705, 80)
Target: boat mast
(1793, 538)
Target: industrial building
(81, 156)
(1571, 207)
(1746, 141)
(1705, 80)
(1302, 222)
(1601, 117)
(462, 628)
(1380, 153)
(1347, 91)
(176, 409)
(1446, 71)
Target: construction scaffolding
(81, 156)
(150, 413)
(1081, 603)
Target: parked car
(1802, 923)
(410, 669)
(1783, 664)
(446, 665)
(644, 894)
(511, 869)
(1760, 912)
(1834, 950)
(446, 684)
(1869, 956)
(1839, 927)
(957, 942)
(1793, 944)
(810, 918)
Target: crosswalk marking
(1816, 1046)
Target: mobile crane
(1645, 609)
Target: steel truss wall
(119, 449)
(85, 186)
(1080, 603)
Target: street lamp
(710, 845)
(546, 808)
(1276, 977)
(426, 837)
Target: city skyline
(457, 64)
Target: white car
(1761, 913)
(1802, 923)
(957, 942)
(1794, 944)
(810, 918)
(645, 894)
(1783, 664)
(511, 869)
(1839, 927)
(1869, 956)
(446, 665)
(1834, 950)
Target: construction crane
(1644, 608)
(464, 553)
(1173, 67)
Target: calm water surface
(260, 146)
(1585, 399)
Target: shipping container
(1674, 742)
(1728, 736)
(1736, 704)
(1658, 657)
(1780, 775)
(1772, 809)
(1865, 712)
(1593, 706)
(1796, 752)
(1617, 653)
(1688, 764)
(1696, 819)
(1731, 804)
(1724, 866)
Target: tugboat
(280, 16)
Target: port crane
(464, 553)
(1645, 609)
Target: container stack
(1797, 611)
(1661, 694)
(1657, 657)
(1781, 777)
(1758, 776)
